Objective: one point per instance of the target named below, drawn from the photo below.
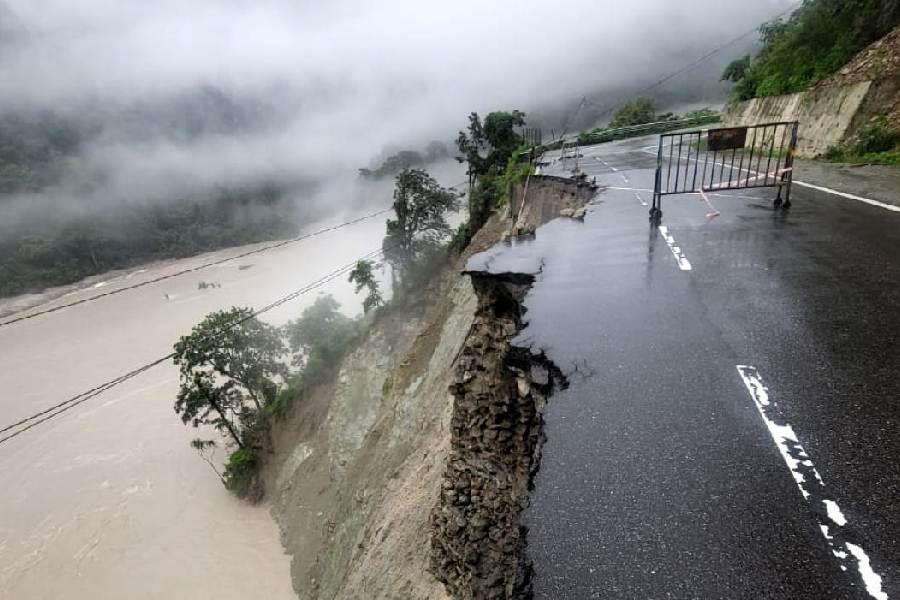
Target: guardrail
(587, 138)
(609, 135)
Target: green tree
(420, 208)
(229, 367)
(814, 42)
(473, 147)
(486, 149)
(319, 337)
(363, 274)
(636, 111)
(499, 129)
(736, 69)
(491, 143)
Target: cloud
(321, 87)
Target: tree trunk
(228, 423)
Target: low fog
(173, 91)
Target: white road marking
(870, 577)
(641, 200)
(869, 201)
(629, 189)
(810, 483)
(683, 263)
(607, 165)
(883, 205)
(834, 512)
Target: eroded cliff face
(496, 434)
(357, 466)
(407, 476)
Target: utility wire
(61, 407)
(265, 248)
(53, 411)
(609, 107)
(260, 250)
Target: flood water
(109, 500)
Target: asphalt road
(731, 427)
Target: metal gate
(729, 158)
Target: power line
(57, 409)
(260, 250)
(609, 107)
(53, 411)
(265, 248)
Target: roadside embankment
(838, 108)
(542, 198)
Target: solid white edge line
(869, 201)
(883, 205)
(783, 435)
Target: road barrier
(729, 158)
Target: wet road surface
(731, 427)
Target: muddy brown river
(109, 500)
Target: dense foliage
(636, 111)
(490, 151)
(234, 377)
(321, 333)
(363, 275)
(876, 144)
(814, 42)
(37, 151)
(318, 339)
(230, 366)
(407, 159)
(420, 220)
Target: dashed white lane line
(683, 263)
(613, 169)
(607, 165)
(641, 200)
(629, 189)
(831, 520)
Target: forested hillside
(813, 43)
(60, 221)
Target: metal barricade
(728, 158)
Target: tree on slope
(420, 208)
(636, 111)
(229, 366)
(363, 274)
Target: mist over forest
(132, 131)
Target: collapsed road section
(496, 435)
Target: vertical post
(678, 164)
(669, 168)
(576, 155)
(771, 152)
(789, 164)
(656, 209)
(750, 160)
(696, 161)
